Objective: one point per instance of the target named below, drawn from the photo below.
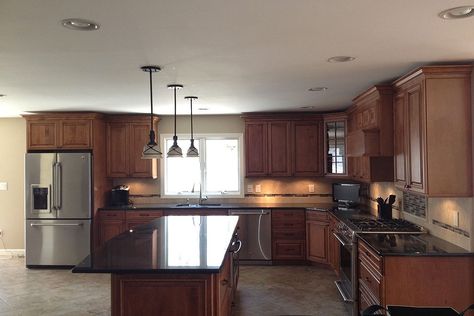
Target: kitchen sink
(198, 205)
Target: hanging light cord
(191, 118)
(151, 100)
(174, 88)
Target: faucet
(201, 198)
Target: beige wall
(12, 151)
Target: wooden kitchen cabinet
(433, 126)
(52, 131)
(111, 224)
(135, 218)
(317, 228)
(370, 135)
(126, 136)
(333, 244)
(288, 235)
(414, 280)
(283, 145)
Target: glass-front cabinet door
(336, 147)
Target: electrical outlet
(258, 188)
(455, 219)
(249, 188)
(3, 186)
(311, 188)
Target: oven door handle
(341, 240)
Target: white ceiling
(237, 56)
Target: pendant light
(192, 151)
(175, 150)
(152, 149)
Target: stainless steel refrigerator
(58, 203)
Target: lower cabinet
(288, 238)
(317, 227)
(115, 222)
(414, 280)
(196, 294)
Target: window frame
(202, 162)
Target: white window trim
(239, 136)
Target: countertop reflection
(170, 244)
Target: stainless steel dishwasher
(255, 232)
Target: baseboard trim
(16, 253)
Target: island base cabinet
(173, 294)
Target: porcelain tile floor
(276, 290)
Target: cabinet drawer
(370, 258)
(288, 225)
(366, 299)
(289, 250)
(118, 215)
(279, 216)
(143, 215)
(316, 216)
(292, 234)
(370, 279)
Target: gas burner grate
(385, 225)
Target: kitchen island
(174, 265)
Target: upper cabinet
(335, 141)
(283, 145)
(52, 131)
(433, 126)
(126, 136)
(370, 135)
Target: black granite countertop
(209, 205)
(171, 244)
(412, 245)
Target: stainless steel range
(346, 233)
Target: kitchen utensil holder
(384, 211)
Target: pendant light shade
(192, 151)
(175, 150)
(151, 150)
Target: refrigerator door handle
(52, 188)
(58, 185)
(69, 224)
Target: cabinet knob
(224, 282)
(367, 279)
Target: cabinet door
(307, 149)
(279, 149)
(399, 118)
(76, 134)
(117, 150)
(138, 138)
(42, 134)
(256, 149)
(415, 138)
(110, 228)
(316, 241)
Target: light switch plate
(3, 186)
(249, 188)
(258, 188)
(311, 188)
(455, 221)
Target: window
(217, 170)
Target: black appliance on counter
(346, 195)
(119, 196)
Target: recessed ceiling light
(306, 107)
(203, 109)
(2, 95)
(340, 59)
(80, 24)
(457, 13)
(318, 89)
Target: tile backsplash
(447, 218)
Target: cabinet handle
(367, 279)
(224, 282)
(144, 214)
